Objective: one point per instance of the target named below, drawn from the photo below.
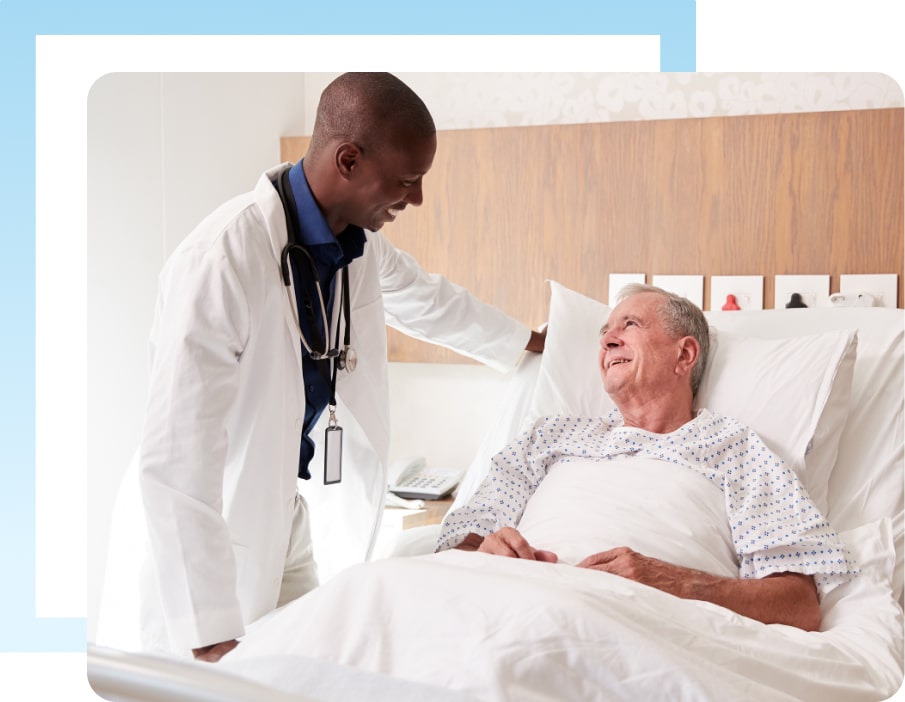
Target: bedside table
(433, 513)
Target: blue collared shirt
(330, 253)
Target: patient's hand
(780, 598)
(635, 566)
(509, 542)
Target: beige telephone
(412, 478)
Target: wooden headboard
(507, 208)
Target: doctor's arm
(782, 598)
(429, 307)
(200, 331)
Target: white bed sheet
(504, 629)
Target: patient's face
(637, 357)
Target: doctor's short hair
(680, 317)
(371, 110)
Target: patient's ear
(688, 351)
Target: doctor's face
(637, 356)
(389, 179)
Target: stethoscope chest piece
(347, 359)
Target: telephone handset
(414, 479)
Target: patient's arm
(783, 598)
(506, 542)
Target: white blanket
(657, 508)
(503, 629)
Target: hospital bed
(814, 193)
(126, 676)
(822, 386)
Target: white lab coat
(218, 461)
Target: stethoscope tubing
(334, 352)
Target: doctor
(270, 312)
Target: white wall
(474, 100)
(165, 149)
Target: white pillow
(793, 391)
(568, 381)
(871, 547)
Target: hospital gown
(775, 526)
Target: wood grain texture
(507, 208)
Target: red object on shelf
(730, 303)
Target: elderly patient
(783, 555)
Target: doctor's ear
(347, 158)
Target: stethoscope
(345, 357)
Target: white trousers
(300, 573)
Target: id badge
(333, 455)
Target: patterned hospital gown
(774, 524)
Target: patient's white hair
(680, 317)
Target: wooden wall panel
(507, 208)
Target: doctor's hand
(214, 652)
(509, 542)
(537, 341)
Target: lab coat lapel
(275, 216)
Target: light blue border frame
(674, 21)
